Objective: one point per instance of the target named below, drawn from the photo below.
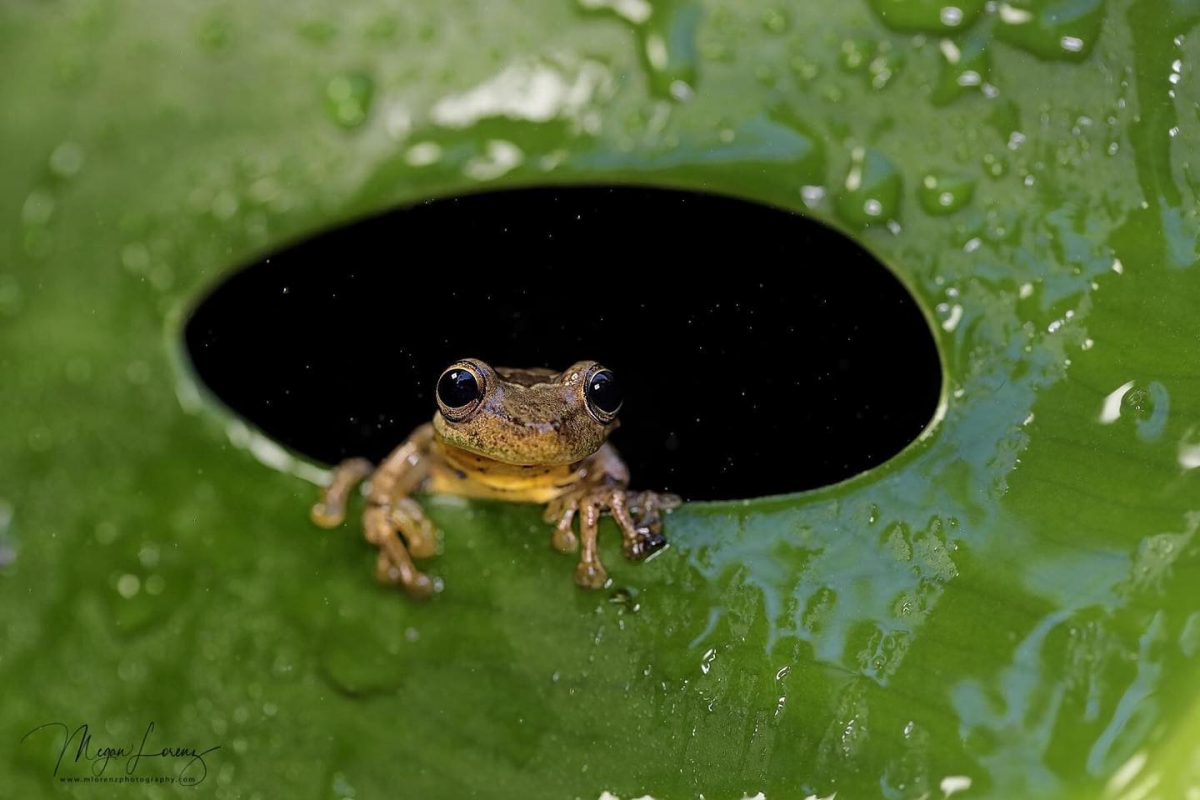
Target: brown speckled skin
(528, 417)
(532, 438)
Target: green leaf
(1010, 608)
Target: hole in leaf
(759, 352)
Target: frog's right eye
(459, 391)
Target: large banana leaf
(1010, 608)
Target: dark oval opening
(759, 352)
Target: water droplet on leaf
(348, 99)
(871, 190)
(943, 193)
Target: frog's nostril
(777, 371)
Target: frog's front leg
(392, 513)
(393, 521)
(641, 535)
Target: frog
(516, 435)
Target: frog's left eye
(459, 391)
(603, 394)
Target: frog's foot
(637, 514)
(590, 575)
(418, 532)
(394, 565)
(643, 544)
(643, 533)
(330, 510)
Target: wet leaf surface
(1008, 608)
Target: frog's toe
(647, 542)
(422, 548)
(327, 514)
(648, 503)
(419, 587)
(564, 540)
(590, 575)
(417, 584)
(669, 502)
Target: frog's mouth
(524, 443)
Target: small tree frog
(521, 435)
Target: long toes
(590, 576)
(646, 543)
(640, 502)
(386, 573)
(422, 548)
(667, 502)
(420, 587)
(564, 541)
(555, 509)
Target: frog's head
(527, 416)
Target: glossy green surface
(1013, 603)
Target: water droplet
(224, 205)
(872, 189)
(348, 99)
(1145, 404)
(854, 54)
(943, 193)
(632, 11)
(883, 67)
(106, 533)
(66, 160)
(128, 585)
(1150, 407)
(341, 788)
(140, 599)
(666, 36)
(1050, 29)
(38, 208)
(927, 16)
(995, 166)
(966, 67)
(804, 70)
(135, 257)
(499, 158)
(1138, 403)
(422, 154)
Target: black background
(759, 352)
